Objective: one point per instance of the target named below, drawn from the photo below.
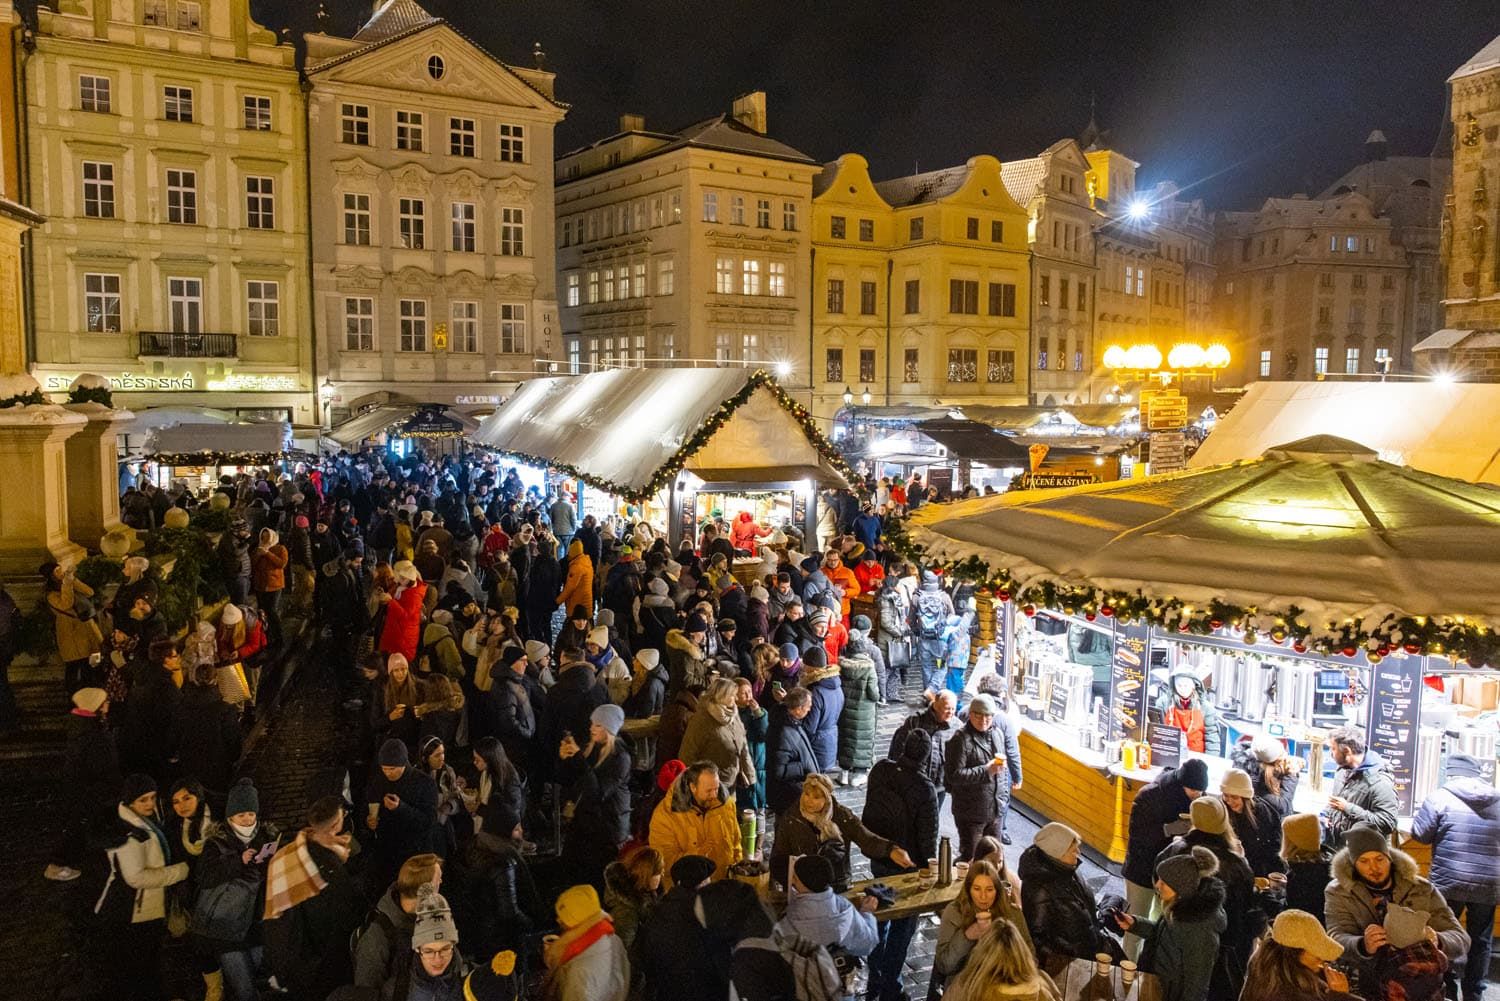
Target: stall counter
(1073, 786)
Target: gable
(851, 185)
(469, 72)
(984, 187)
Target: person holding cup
(967, 919)
(1002, 966)
(1291, 963)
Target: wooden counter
(1073, 786)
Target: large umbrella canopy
(1320, 531)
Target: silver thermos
(945, 862)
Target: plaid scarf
(292, 878)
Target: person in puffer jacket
(819, 915)
(1461, 821)
(1181, 945)
(1060, 909)
(822, 681)
(860, 681)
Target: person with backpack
(670, 949)
(587, 962)
(440, 970)
(231, 890)
(819, 915)
(929, 617)
(381, 949)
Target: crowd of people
(583, 755)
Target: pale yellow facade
(166, 149)
(433, 230)
(1471, 215)
(921, 290)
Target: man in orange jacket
(841, 577)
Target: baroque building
(433, 240)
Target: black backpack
(398, 967)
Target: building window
(1265, 364)
(1356, 314)
(836, 227)
(177, 104)
(101, 303)
(665, 277)
(833, 365)
(512, 143)
(658, 213)
(971, 228)
(464, 327)
(789, 216)
(1357, 282)
(189, 15)
(749, 347)
(257, 113)
(263, 308)
(750, 277)
(638, 280)
(724, 276)
(1062, 292)
(914, 229)
(963, 365)
(867, 365)
(1382, 359)
(154, 12)
(573, 291)
(1388, 282)
(354, 124)
(1044, 289)
(1351, 361)
(1268, 283)
(182, 197)
(185, 305)
(1083, 296)
(464, 236)
(867, 231)
(911, 370)
(763, 213)
(1267, 318)
(963, 297)
(1077, 360)
(1320, 361)
(359, 324)
(513, 232)
(357, 219)
(411, 131)
(98, 190)
(463, 137)
(1325, 280)
(574, 359)
(1041, 353)
(1002, 367)
(677, 206)
(867, 298)
(413, 325)
(737, 210)
(1129, 283)
(622, 283)
(776, 278)
(435, 67)
(913, 295)
(412, 219)
(997, 232)
(593, 290)
(1351, 244)
(1002, 299)
(710, 206)
(669, 346)
(640, 216)
(1387, 312)
(1325, 314)
(260, 202)
(835, 295)
(1062, 353)
(93, 94)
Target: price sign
(1395, 698)
(1127, 681)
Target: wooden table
(911, 898)
(1079, 983)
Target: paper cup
(1127, 971)
(1101, 963)
(1262, 883)
(1277, 879)
(960, 869)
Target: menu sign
(1165, 741)
(1127, 681)
(1395, 699)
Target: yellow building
(920, 287)
(15, 218)
(166, 149)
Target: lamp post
(326, 393)
(865, 396)
(848, 396)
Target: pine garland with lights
(1455, 637)
(665, 473)
(217, 458)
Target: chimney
(1375, 147)
(750, 110)
(632, 123)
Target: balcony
(175, 344)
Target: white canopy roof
(624, 430)
(183, 442)
(1452, 429)
(372, 422)
(1320, 525)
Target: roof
(1023, 178)
(186, 443)
(373, 422)
(978, 442)
(823, 179)
(1487, 58)
(1408, 189)
(394, 17)
(922, 188)
(629, 431)
(1449, 430)
(1320, 526)
(1441, 340)
(722, 132)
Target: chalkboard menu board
(1057, 703)
(1395, 702)
(1165, 741)
(1127, 681)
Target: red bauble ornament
(1216, 623)
(1028, 610)
(1299, 646)
(1183, 627)
(1383, 650)
(1004, 594)
(1349, 651)
(1089, 615)
(1107, 610)
(1412, 648)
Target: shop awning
(219, 444)
(1447, 429)
(391, 417)
(1319, 532)
(629, 431)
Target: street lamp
(865, 396)
(848, 396)
(326, 393)
(1145, 361)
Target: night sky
(1233, 101)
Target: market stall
(1311, 588)
(674, 443)
(392, 425)
(200, 453)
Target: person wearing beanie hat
(691, 871)
(1374, 891)
(499, 980)
(1307, 862)
(646, 694)
(982, 765)
(1274, 774)
(1256, 822)
(238, 852)
(1058, 905)
(401, 808)
(1058, 841)
(818, 914)
(1161, 802)
(402, 630)
(1181, 946)
(90, 783)
(687, 654)
(1208, 815)
(1246, 920)
(587, 962)
(537, 653)
(821, 680)
(1291, 963)
(595, 778)
(393, 754)
(608, 717)
(440, 968)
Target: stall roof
(628, 431)
(1448, 429)
(207, 444)
(1320, 529)
(372, 422)
(982, 443)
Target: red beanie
(669, 773)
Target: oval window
(435, 68)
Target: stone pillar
(93, 467)
(34, 498)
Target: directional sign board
(1163, 410)
(1168, 451)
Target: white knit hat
(1056, 839)
(599, 637)
(1237, 783)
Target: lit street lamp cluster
(1145, 360)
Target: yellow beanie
(577, 905)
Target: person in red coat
(744, 532)
(403, 613)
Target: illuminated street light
(783, 369)
(848, 396)
(1182, 359)
(865, 396)
(1138, 209)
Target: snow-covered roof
(185, 443)
(625, 430)
(1487, 58)
(392, 18)
(1447, 429)
(1321, 525)
(1023, 178)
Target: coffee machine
(1329, 688)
